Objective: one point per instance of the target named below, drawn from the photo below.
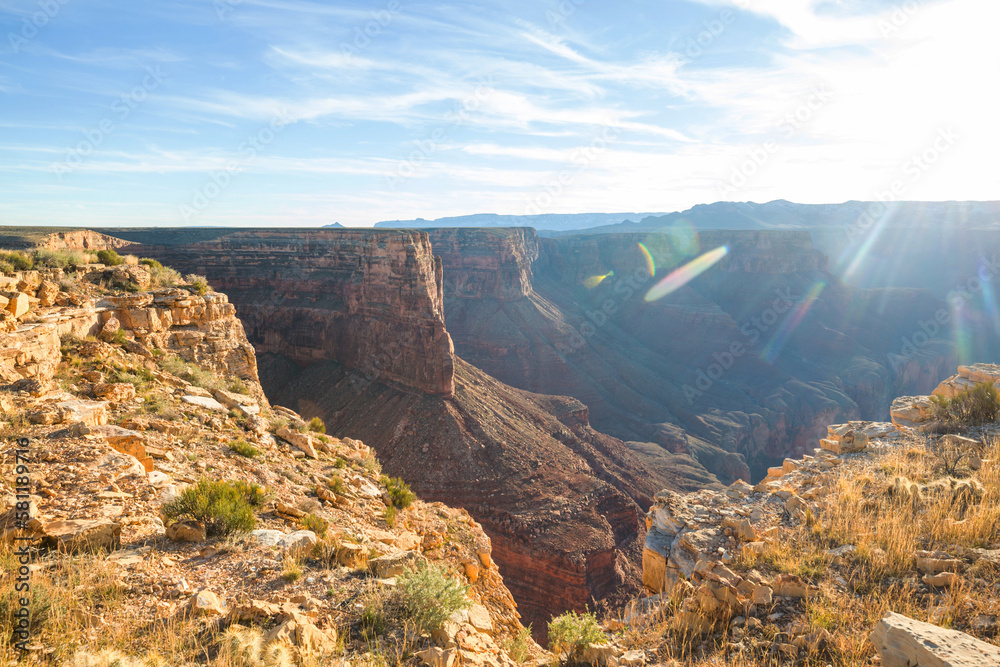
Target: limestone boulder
(110, 329)
(206, 603)
(186, 531)
(74, 535)
(393, 565)
(207, 403)
(298, 544)
(299, 440)
(18, 304)
(903, 642)
(47, 293)
(115, 392)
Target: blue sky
(290, 112)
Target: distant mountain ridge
(783, 214)
(548, 221)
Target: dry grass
(856, 590)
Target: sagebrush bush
(223, 507)
(972, 407)
(197, 284)
(316, 425)
(399, 491)
(109, 257)
(60, 258)
(571, 632)
(244, 448)
(429, 595)
(518, 646)
(315, 523)
(16, 260)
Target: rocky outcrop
(370, 300)
(81, 239)
(902, 641)
(203, 330)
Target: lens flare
(594, 281)
(791, 323)
(648, 256)
(685, 274)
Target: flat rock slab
(205, 402)
(82, 535)
(904, 642)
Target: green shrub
(399, 491)
(371, 465)
(255, 494)
(16, 261)
(374, 614)
(390, 515)
(571, 632)
(109, 257)
(518, 647)
(316, 425)
(244, 448)
(197, 284)
(315, 523)
(972, 407)
(224, 507)
(336, 485)
(429, 595)
(292, 571)
(151, 263)
(237, 386)
(60, 258)
(339, 463)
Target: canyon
(527, 379)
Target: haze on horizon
(298, 113)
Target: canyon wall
(371, 301)
(740, 368)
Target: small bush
(390, 515)
(292, 571)
(315, 523)
(339, 463)
(336, 485)
(197, 284)
(255, 494)
(371, 465)
(60, 258)
(316, 425)
(159, 275)
(430, 595)
(237, 386)
(571, 632)
(399, 491)
(244, 448)
(518, 647)
(374, 614)
(972, 407)
(224, 507)
(109, 257)
(16, 261)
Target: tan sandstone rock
(904, 642)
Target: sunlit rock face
(742, 366)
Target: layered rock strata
(369, 300)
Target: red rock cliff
(370, 300)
